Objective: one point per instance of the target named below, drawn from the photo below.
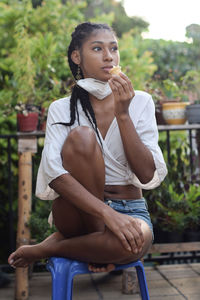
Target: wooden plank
(27, 144)
(175, 247)
(178, 127)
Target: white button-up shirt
(118, 172)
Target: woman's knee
(120, 255)
(115, 247)
(81, 141)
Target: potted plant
(154, 89)
(192, 215)
(191, 82)
(27, 117)
(24, 74)
(168, 202)
(35, 82)
(174, 104)
(172, 214)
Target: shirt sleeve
(51, 162)
(148, 133)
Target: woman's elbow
(147, 176)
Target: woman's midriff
(122, 192)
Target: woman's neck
(101, 104)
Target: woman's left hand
(123, 92)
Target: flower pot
(27, 123)
(174, 113)
(175, 237)
(193, 113)
(192, 236)
(160, 236)
(159, 115)
(42, 120)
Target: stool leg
(142, 281)
(62, 278)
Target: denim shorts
(136, 208)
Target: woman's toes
(11, 258)
(19, 263)
(96, 268)
(110, 267)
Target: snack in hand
(115, 70)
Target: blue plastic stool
(63, 271)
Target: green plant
(192, 214)
(33, 42)
(137, 65)
(168, 204)
(171, 211)
(40, 229)
(171, 89)
(191, 82)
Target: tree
(121, 23)
(193, 31)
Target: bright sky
(167, 18)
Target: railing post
(26, 148)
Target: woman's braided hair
(79, 36)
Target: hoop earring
(78, 75)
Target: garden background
(34, 36)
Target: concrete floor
(167, 282)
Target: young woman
(101, 149)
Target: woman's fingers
(127, 229)
(136, 239)
(124, 241)
(132, 242)
(119, 87)
(122, 82)
(131, 235)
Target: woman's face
(99, 53)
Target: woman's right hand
(126, 228)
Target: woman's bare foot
(97, 268)
(24, 256)
(27, 254)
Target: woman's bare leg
(82, 157)
(78, 149)
(100, 245)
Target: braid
(79, 36)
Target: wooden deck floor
(168, 282)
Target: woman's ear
(75, 56)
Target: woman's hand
(126, 228)
(123, 93)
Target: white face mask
(97, 88)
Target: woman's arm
(138, 155)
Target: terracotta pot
(174, 112)
(27, 123)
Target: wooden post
(24, 209)
(26, 146)
(130, 283)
